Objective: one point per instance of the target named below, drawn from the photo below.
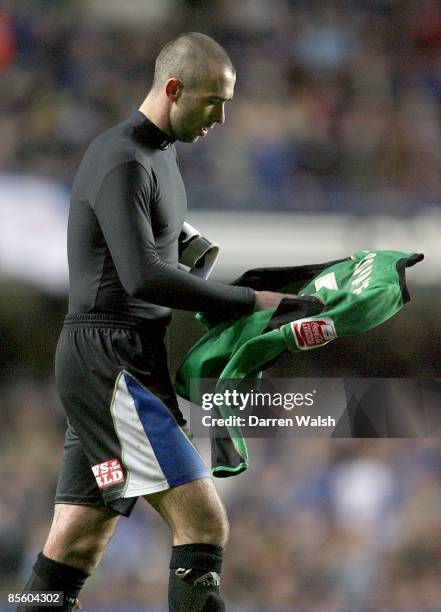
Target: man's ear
(173, 89)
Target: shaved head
(190, 58)
(194, 79)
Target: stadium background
(332, 142)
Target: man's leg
(199, 524)
(75, 545)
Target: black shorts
(124, 437)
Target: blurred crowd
(337, 104)
(316, 524)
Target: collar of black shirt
(148, 133)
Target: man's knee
(79, 535)
(220, 527)
(195, 513)
(85, 551)
(208, 525)
(214, 526)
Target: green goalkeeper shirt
(341, 298)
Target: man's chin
(189, 138)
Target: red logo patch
(310, 333)
(108, 473)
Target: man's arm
(123, 212)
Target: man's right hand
(268, 300)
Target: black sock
(50, 575)
(194, 578)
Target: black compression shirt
(127, 209)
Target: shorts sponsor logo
(108, 473)
(309, 333)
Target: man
(124, 438)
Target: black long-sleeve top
(127, 209)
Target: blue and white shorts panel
(155, 452)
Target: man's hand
(267, 300)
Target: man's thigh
(79, 534)
(72, 523)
